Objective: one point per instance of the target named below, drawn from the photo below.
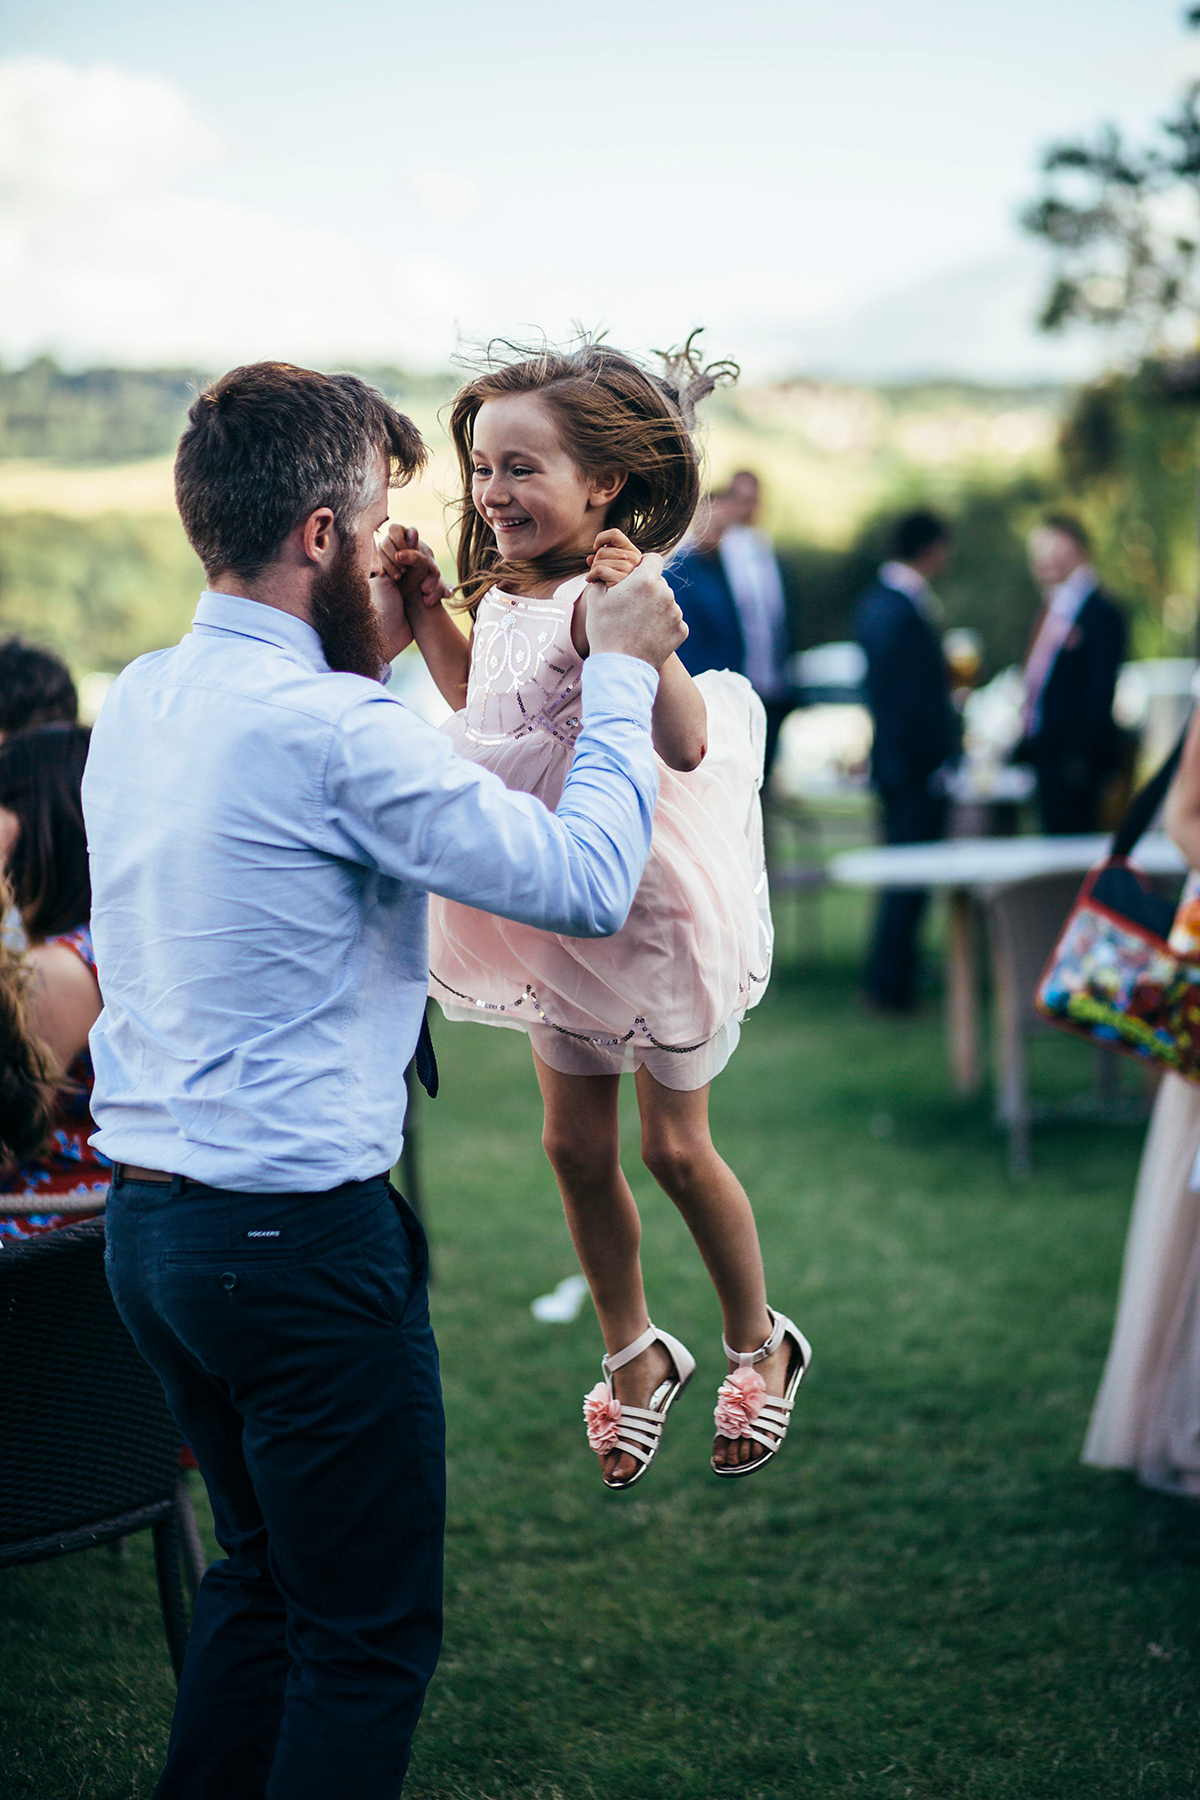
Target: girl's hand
(412, 566)
(613, 558)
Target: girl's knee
(676, 1158)
(578, 1156)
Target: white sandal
(745, 1409)
(635, 1430)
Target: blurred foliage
(838, 466)
(100, 591)
(99, 415)
(117, 415)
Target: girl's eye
(520, 469)
(479, 470)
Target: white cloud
(102, 258)
(450, 199)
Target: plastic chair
(89, 1452)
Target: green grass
(927, 1595)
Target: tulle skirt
(669, 990)
(1147, 1413)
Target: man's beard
(344, 616)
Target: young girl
(568, 462)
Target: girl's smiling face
(531, 491)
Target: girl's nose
(496, 492)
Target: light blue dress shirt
(263, 835)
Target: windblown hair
(611, 414)
(267, 445)
(40, 776)
(28, 1077)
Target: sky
(827, 186)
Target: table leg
(962, 994)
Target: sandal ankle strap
(619, 1358)
(745, 1359)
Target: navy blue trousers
(911, 815)
(291, 1333)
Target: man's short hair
(35, 688)
(916, 532)
(268, 444)
(1070, 527)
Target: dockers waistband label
(264, 1234)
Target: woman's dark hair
(916, 532)
(35, 688)
(268, 444)
(611, 414)
(40, 776)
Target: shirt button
(229, 1281)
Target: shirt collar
(1066, 600)
(905, 580)
(267, 624)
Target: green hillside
(93, 562)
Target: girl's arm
(446, 651)
(1182, 813)
(679, 721)
(407, 585)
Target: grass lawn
(927, 1595)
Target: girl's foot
(625, 1412)
(754, 1403)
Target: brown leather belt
(128, 1172)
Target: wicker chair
(89, 1452)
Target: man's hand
(407, 577)
(637, 617)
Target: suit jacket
(714, 639)
(916, 726)
(1076, 724)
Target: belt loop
(176, 1186)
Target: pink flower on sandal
(602, 1413)
(739, 1402)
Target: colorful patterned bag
(1125, 971)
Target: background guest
(49, 996)
(1076, 649)
(701, 587)
(756, 582)
(1146, 1417)
(35, 688)
(916, 733)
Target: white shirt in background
(905, 580)
(1064, 604)
(752, 571)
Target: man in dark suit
(1076, 649)
(697, 576)
(916, 733)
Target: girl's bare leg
(678, 1150)
(581, 1138)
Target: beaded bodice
(525, 671)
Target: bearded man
(265, 825)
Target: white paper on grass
(563, 1305)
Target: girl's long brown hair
(611, 414)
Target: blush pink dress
(669, 990)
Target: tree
(1123, 223)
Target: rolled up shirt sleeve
(398, 797)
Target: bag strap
(1146, 802)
